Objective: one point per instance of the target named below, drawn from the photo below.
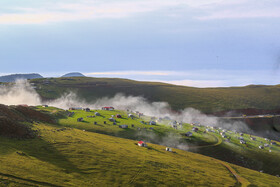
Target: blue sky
(203, 43)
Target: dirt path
(240, 180)
(218, 142)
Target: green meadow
(72, 153)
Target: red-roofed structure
(108, 108)
(142, 144)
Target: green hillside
(208, 143)
(71, 157)
(179, 97)
(71, 153)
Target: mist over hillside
(96, 93)
(207, 100)
(23, 93)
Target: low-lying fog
(23, 93)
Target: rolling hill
(14, 77)
(207, 100)
(70, 153)
(73, 74)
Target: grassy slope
(75, 158)
(131, 133)
(179, 97)
(248, 155)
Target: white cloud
(81, 11)
(113, 73)
(85, 10)
(196, 83)
(198, 78)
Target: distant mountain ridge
(73, 74)
(14, 77)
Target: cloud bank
(197, 78)
(46, 12)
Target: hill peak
(73, 74)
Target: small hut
(123, 126)
(189, 134)
(80, 119)
(131, 116)
(142, 144)
(266, 145)
(168, 149)
(253, 138)
(87, 109)
(112, 119)
(195, 129)
(108, 108)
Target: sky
(201, 43)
